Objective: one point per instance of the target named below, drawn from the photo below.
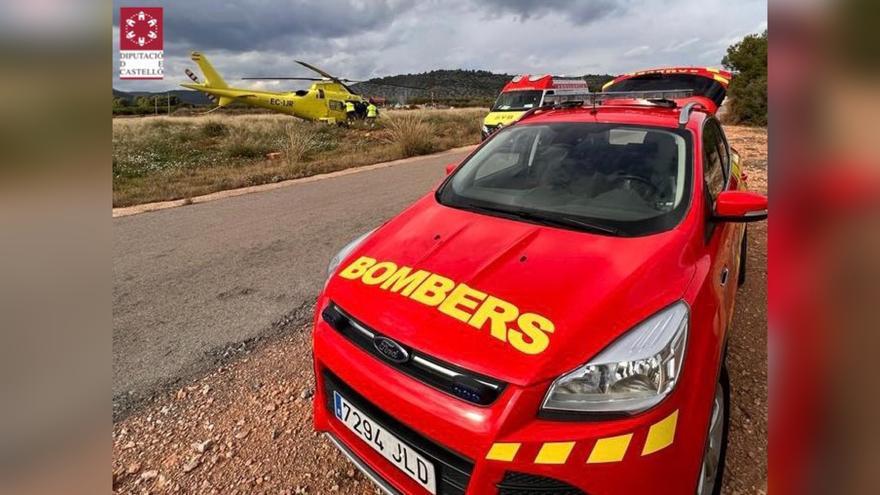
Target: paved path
(193, 282)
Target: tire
(743, 255)
(717, 436)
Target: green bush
(748, 90)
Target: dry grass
(300, 143)
(411, 134)
(164, 158)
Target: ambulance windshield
(620, 179)
(517, 101)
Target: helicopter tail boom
(212, 77)
(221, 96)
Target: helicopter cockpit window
(321, 94)
(336, 105)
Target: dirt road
(245, 426)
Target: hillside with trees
(452, 87)
(145, 102)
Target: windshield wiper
(564, 221)
(591, 226)
(555, 221)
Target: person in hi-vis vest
(372, 113)
(350, 111)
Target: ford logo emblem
(390, 349)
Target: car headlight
(344, 252)
(634, 373)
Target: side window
(724, 150)
(336, 105)
(321, 93)
(713, 168)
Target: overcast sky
(360, 39)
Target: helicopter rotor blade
(394, 85)
(283, 78)
(344, 80)
(315, 69)
(327, 75)
(383, 84)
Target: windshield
(517, 100)
(609, 178)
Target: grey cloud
(674, 47)
(360, 39)
(578, 11)
(271, 24)
(638, 51)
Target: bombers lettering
(527, 333)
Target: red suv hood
(592, 287)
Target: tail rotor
(195, 79)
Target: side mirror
(450, 167)
(740, 206)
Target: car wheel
(712, 469)
(744, 250)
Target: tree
(748, 90)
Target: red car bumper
(480, 450)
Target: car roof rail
(662, 98)
(686, 110)
(665, 97)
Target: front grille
(515, 483)
(452, 470)
(455, 381)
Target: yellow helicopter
(324, 101)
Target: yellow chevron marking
(661, 434)
(503, 452)
(554, 453)
(611, 449)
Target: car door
(721, 237)
(733, 230)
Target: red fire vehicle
(554, 316)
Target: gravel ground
(246, 426)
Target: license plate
(398, 453)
